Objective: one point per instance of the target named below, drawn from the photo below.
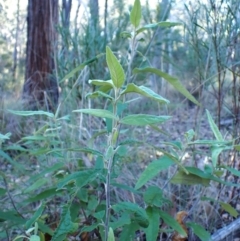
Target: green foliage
(97, 196)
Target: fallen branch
(224, 232)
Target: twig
(224, 232)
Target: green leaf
(5, 137)
(144, 91)
(199, 231)
(115, 68)
(35, 138)
(36, 185)
(78, 68)
(170, 79)
(12, 161)
(81, 177)
(189, 179)
(216, 150)
(110, 235)
(49, 169)
(128, 231)
(31, 113)
(34, 238)
(2, 191)
(98, 82)
(232, 170)
(153, 169)
(159, 24)
(35, 216)
(171, 222)
(98, 94)
(153, 196)
(11, 216)
(237, 147)
(120, 221)
(98, 113)
(136, 14)
(65, 226)
(228, 208)
(214, 127)
(211, 142)
(43, 195)
(143, 119)
(139, 216)
(153, 228)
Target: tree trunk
(40, 87)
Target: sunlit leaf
(115, 68)
(98, 82)
(170, 79)
(97, 112)
(34, 238)
(144, 91)
(110, 235)
(136, 14)
(5, 137)
(143, 119)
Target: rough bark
(40, 87)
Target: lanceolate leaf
(200, 231)
(153, 169)
(170, 221)
(143, 119)
(79, 67)
(98, 94)
(132, 208)
(102, 82)
(172, 80)
(110, 235)
(214, 127)
(153, 228)
(31, 113)
(98, 113)
(115, 68)
(136, 14)
(159, 24)
(228, 208)
(35, 216)
(144, 91)
(66, 226)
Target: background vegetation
(41, 152)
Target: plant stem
(112, 143)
